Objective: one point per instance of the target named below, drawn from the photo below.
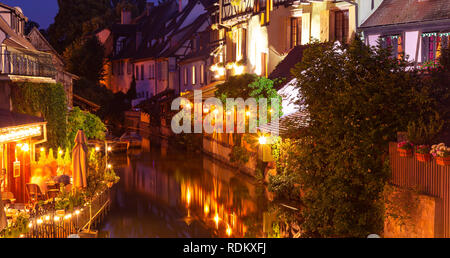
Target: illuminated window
(202, 73)
(432, 43)
(341, 26)
(193, 75)
(396, 44)
(296, 28)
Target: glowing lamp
(228, 230)
(109, 148)
(248, 113)
(42, 149)
(97, 148)
(56, 218)
(262, 140)
(109, 166)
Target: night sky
(40, 11)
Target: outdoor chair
(34, 193)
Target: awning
(208, 91)
(15, 126)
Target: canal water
(164, 192)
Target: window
(142, 72)
(202, 74)
(341, 26)
(137, 73)
(151, 71)
(372, 5)
(129, 68)
(296, 34)
(432, 43)
(185, 76)
(193, 75)
(396, 44)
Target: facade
(416, 30)
(20, 61)
(254, 36)
(61, 75)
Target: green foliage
(69, 200)
(424, 131)
(239, 155)
(18, 226)
(357, 98)
(46, 99)
(401, 204)
(236, 87)
(91, 125)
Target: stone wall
(415, 215)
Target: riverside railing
(55, 224)
(428, 178)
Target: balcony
(22, 62)
(237, 10)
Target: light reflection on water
(167, 193)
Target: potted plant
(405, 148)
(441, 153)
(423, 153)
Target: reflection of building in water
(222, 200)
(149, 181)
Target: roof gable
(408, 11)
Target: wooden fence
(54, 225)
(428, 178)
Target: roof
(408, 11)
(9, 119)
(288, 126)
(13, 38)
(283, 69)
(45, 42)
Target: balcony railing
(233, 9)
(26, 63)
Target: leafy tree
(357, 98)
(91, 125)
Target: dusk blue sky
(40, 11)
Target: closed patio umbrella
(79, 160)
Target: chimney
(125, 16)
(149, 7)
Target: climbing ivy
(47, 100)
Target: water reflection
(166, 193)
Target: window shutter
(425, 41)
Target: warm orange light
(188, 196)
(97, 148)
(60, 152)
(248, 113)
(109, 166)
(228, 230)
(262, 140)
(109, 148)
(206, 209)
(216, 219)
(25, 147)
(42, 149)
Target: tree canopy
(357, 98)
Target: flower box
(443, 161)
(404, 152)
(423, 157)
